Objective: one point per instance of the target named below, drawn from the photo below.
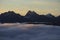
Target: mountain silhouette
(49, 15)
(34, 17)
(10, 16)
(57, 22)
(31, 16)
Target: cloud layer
(36, 32)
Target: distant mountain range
(30, 17)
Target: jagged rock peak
(31, 13)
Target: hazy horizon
(39, 6)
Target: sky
(39, 6)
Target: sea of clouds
(29, 32)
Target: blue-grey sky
(40, 6)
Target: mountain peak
(49, 15)
(31, 13)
